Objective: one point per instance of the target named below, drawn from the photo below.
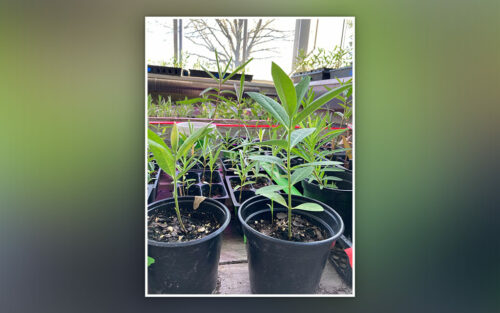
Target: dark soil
(164, 227)
(205, 177)
(302, 229)
(261, 182)
(236, 181)
(192, 191)
(217, 191)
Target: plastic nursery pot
(340, 199)
(284, 267)
(186, 267)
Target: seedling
(310, 151)
(288, 116)
(168, 157)
(243, 169)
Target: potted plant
(288, 253)
(329, 184)
(184, 244)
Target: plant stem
(289, 185)
(210, 188)
(177, 211)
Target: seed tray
(202, 189)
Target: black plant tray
(341, 72)
(199, 73)
(340, 260)
(202, 189)
(317, 74)
(153, 186)
(165, 70)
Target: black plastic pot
(186, 267)
(340, 199)
(285, 267)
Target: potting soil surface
(233, 269)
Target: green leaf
(278, 179)
(272, 107)
(309, 206)
(301, 89)
(275, 197)
(191, 101)
(274, 142)
(188, 143)
(299, 134)
(174, 137)
(301, 174)
(209, 73)
(207, 90)
(236, 70)
(150, 260)
(163, 155)
(319, 102)
(271, 188)
(284, 89)
(266, 158)
(320, 163)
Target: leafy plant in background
(321, 58)
(310, 150)
(346, 104)
(168, 157)
(186, 162)
(222, 77)
(288, 117)
(243, 169)
(213, 157)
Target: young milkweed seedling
(289, 117)
(168, 157)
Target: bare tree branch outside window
(238, 39)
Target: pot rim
(293, 243)
(156, 204)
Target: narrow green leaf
(275, 142)
(301, 89)
(320, 163)
(266, 158)
(190, 140)
(174, 137)
(209, 73)
(319, 102)
(278, 179)
(150, 260)
(271, 188)
(299, 134)
(273, 107)
(207, 90)
(309, 206)
(301, 174)
(236, 70)
(284, 89)
(275, 197)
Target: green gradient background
(72, 128)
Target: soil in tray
(247, 194)
(235, 181)
(205, 177)
(192, 191)
(164, 227)
(302, 229)
(261, 182)
(217, 191)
